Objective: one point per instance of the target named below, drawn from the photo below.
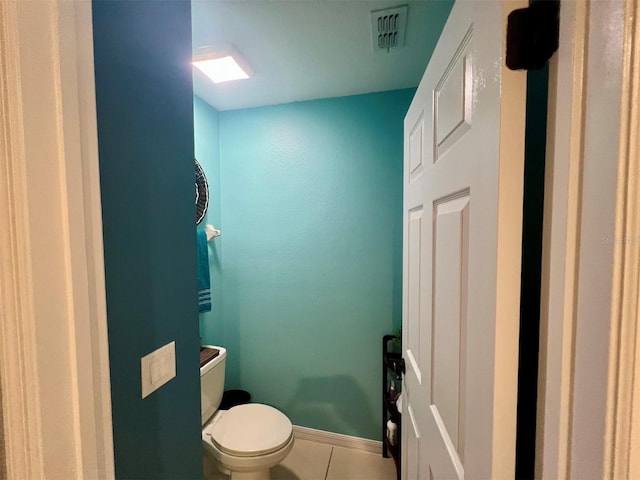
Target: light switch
(158, 368)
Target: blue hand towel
(204, 281)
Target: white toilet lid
(251, 430)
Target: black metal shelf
(393, 361)
(392, 369)
(394, 451)
(392, 408)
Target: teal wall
(145, 136)
(311, 199)
(207, 146)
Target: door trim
(53, 331)
(20, 406)
(565, 133)
(624, 362)
(576, 355)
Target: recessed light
(222, 65)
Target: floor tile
(318, 461)
(348, 464)
(307, 461)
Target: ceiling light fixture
(222, 65)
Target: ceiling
(308, 49)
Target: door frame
(54, 365)
(622, 457)
(589, 351)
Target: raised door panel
(452, 99)
(451, 227)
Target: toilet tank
(212, 383)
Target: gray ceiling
(307, 49)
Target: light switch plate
(158, 368)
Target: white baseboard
(338, 439)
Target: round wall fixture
(202, 193)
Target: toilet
(244, 441)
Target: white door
(463, 182)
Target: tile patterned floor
(319, 461)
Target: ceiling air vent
(388, 27)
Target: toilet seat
(250, 430)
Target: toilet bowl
(244, 441)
